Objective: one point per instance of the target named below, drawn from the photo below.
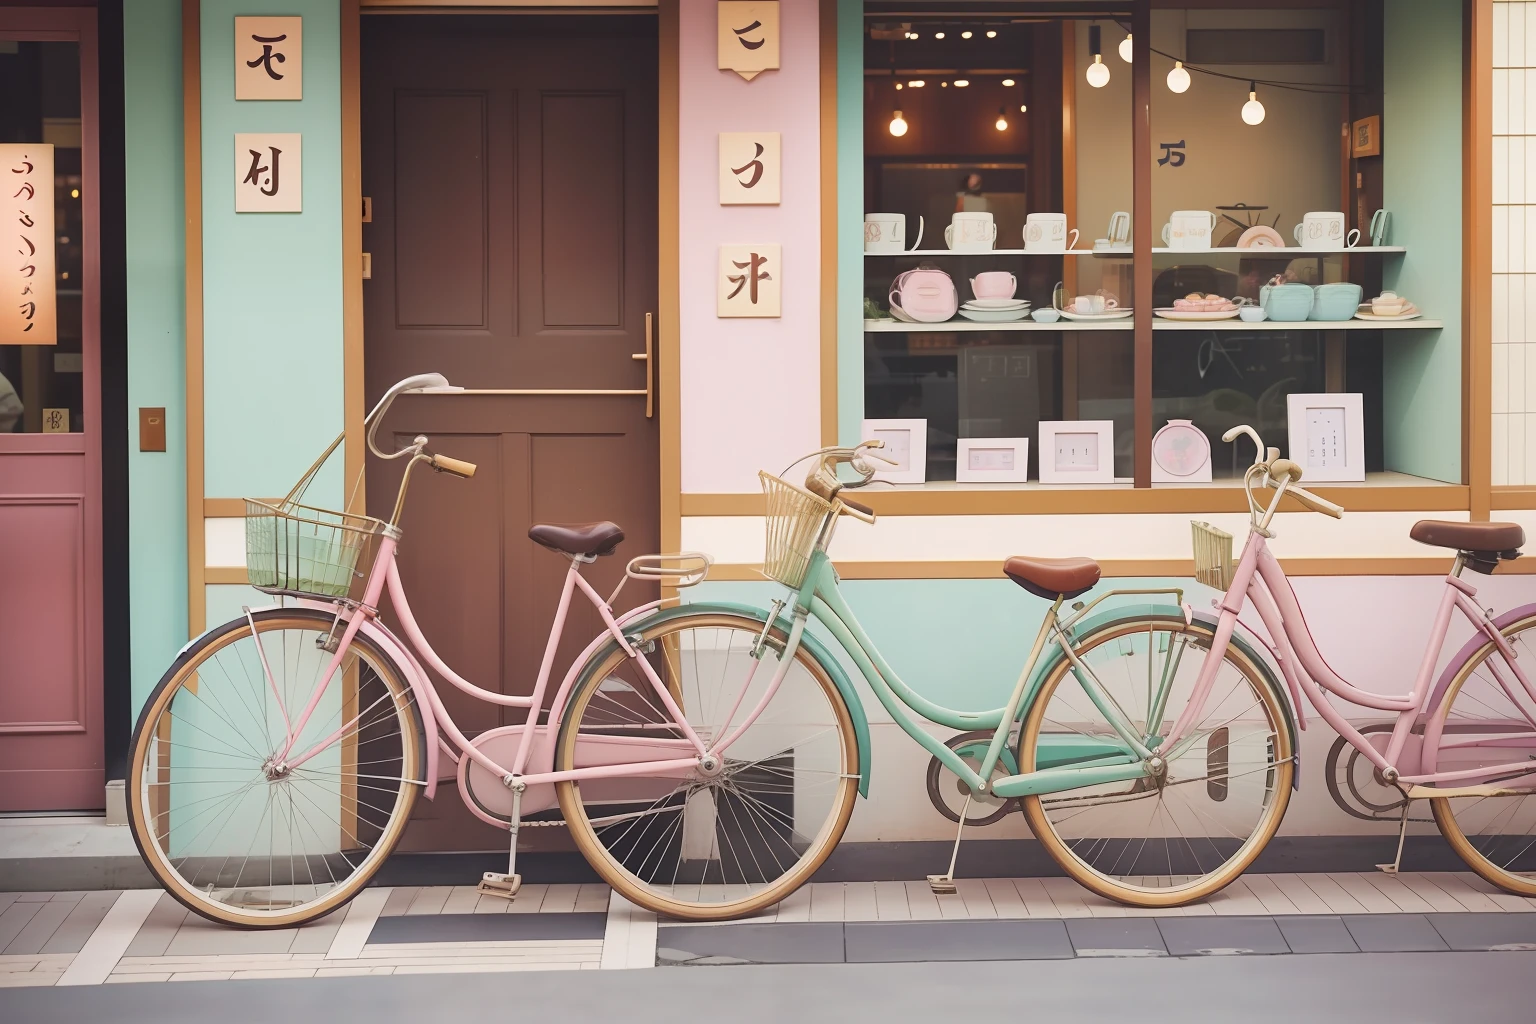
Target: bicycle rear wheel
(721, 841)
(1165, 841)
(231, 832)
(1486, 723)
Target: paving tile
(1217, 936)
(806, 942)
(159, 928)
(202, 976)
(34, 897)
(916, 942)
(36, 933)
(1393, 933)
(1486, 931)
(122, 979)
(399, 901)
(7, 898)
(486, 927)
(1130, 936)
(16, 917)
(81, 922)
(317, 936)
(1312, 933)
(200, 937)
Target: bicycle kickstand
(944, 885)
(494, 883)
(1402, 833)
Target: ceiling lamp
(1125, 48)
(1253, 110)
(992, 34)
(961, 83)
(1178, 78)
(1098, 73)
(898, 124)
(966, 34)
(1007, 82)
(1002, 120)
(938, 35)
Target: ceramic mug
(1119, 232)
(1324, 231)
(994, 284)
(1381, 220)
(1047, 232)
(887, 232)
(971, 231)
(1189, 229)
(1093, 304)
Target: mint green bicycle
(1079, 744)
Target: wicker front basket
(795, 518)
(1213, 556)
(298, 549)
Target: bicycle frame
(1259, 578)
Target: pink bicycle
(275, 765)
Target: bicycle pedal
(942, 885)
(494, 883)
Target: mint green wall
(225, 601)
(1421, 150)
(960, 643)
(272, 287)
(850, 220)
(157, 481)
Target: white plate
(1388, 319)
(994, 316)
(1114, 314)
(996, 303)
(1193, 315)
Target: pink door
(51, 743)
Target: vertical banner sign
(29, 315)
(269, 58)
(747, 284)
(748, 36)
(268, 172)
(749, 168)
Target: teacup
(1046, 316)
(994, 284)
(1189, 229)
(887, 232)
(1093, 304)
(1253, 314)
(1388, 304)
(971, 231)
(1047, 232)
(1324, 231)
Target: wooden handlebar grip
(1284, 468)
(457, 467)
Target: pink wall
(750, 388)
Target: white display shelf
(1289, 250)
(990, 252)
(1158, 324)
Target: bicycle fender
(1242, 637)
(817, 649)
(1471, 647)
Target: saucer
(996, 303)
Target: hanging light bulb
(961, 83)
(1002, 120)
(898, 87)
(1098, 73)
(992, 35)
(1023, 108)
(1178, 78)
(1007, 83)
(938, 35)
(966, 34)
(1253, 110)
(898, 124)
(1125, 48)
(916, 83)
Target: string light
(1253, 110)
(1178, 78)
(1125, 49)
(992, 35)
(898, 87)
(916, 83)
(1098, 72)
(898, 124)
(938, 35)
(966, 34)
(1002, 120)
(1008, 82)
(1023, 108)
(961, 83)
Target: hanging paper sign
(267, 173)
(748, 36)
(749, 168)
(29, 315)
(269, 58)
(747, 283)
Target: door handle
(646, 357)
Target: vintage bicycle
(706, 756)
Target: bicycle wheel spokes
(1165, 840)
(228, 824)
(1490, 724)
(731, 835)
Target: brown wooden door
(511, 167)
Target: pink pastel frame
(1260, 579)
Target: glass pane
(41, 386)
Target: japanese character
(755, 164)
(749, 44)
(267, 56)
(253, 176)
(752, 277)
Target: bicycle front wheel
(721, 840)
(1488, 724)
(228, 828)
(1160, 841)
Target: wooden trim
(668, 275)
(1117, 500)
(225, 574)
(829, 215)
(1069, 169)
(1115, 568)
(1512, 498)
(227, 508)
(192, 175)
(355, 450)
(1477, 257)
(1141, 220)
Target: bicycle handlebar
(1281, 474)
(419, 383)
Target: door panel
(511, 163)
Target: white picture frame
(991, 460)
(1327, 436)
(906, 444)
(1077, 451)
